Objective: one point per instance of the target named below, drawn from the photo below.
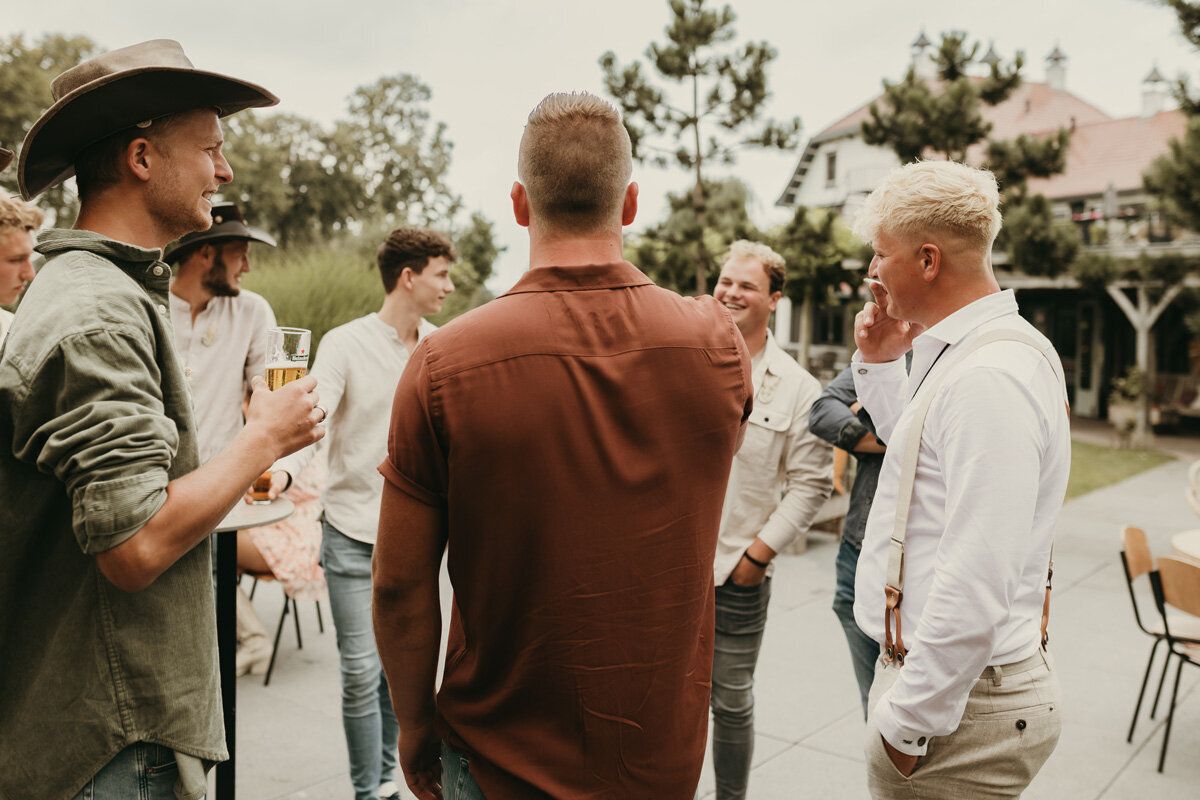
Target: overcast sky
(489, 62)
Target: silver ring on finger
(324, 413)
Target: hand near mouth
(879, 336)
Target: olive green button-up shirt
(95, 420)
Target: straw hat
(117, 90)
(228, 223)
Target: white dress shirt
(357, 368)
(221, 351)
(782, 473)
(990, 480)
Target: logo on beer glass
(287, 361)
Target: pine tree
(726, 89)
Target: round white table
(1187, 544)
(244, 515)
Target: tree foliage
(725, 89)
(811, 247)
(943, 118)
(26, 70)
(477, 254)
(668, 251)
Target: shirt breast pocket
(762, 444)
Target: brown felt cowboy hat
(117, 90)
(6, 157)
(228, 224)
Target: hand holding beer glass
(287, 361)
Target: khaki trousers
(1010, 727)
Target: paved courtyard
(809, 724)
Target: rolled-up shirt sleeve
(831, 417)
(416, 460)
(94, 418)
(990, 440)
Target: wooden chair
(288, 600)
(1176, 584)
(1137, 561)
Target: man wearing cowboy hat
(108, 685)
(220, 328)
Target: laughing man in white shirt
(358, 366)
(973, 709)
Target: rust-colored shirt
(578, 432)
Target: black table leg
(227, 649)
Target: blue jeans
(864, 650)
(371, 728)
(142, 771)
(457, 783)
(741, 619)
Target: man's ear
(930, 256)
(406, 278)
(138, 157)
(630, 206)
(775, 297)
(520, 202)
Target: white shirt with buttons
(991, 476)
(221, 351)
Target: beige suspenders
(894, 649)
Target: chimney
(1154, 94)
(922, 59)
(1056, 70)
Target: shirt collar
(776, 357)
(958, 325)
(618, 275)
(143, 264)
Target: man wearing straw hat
(108, 684)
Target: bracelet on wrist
(760, 564)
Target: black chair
(288, 600)
(1176, 583)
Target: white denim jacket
(782, 473)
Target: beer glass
(287, 361)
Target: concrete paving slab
(810, 729)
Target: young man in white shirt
(779, 480)
(358, 365)
(18, 221)
(972, 710)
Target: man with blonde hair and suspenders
(953, 576)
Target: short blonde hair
(575, 162)
(773, 263)
(933, 197)
(17, 216)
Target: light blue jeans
(142, 771)
(457, 782)
(741, 619)
(864, 651)
(367, 716)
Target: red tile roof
(1114, 151)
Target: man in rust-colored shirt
(571, 442)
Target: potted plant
(1125, 401)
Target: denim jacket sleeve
(831, 418)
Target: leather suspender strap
(894, 649)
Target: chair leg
(1161, 681)
(296, 619)
(320, 622)
(1170, 715)
(1142, 692)
(253, 586)
(275, 644)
